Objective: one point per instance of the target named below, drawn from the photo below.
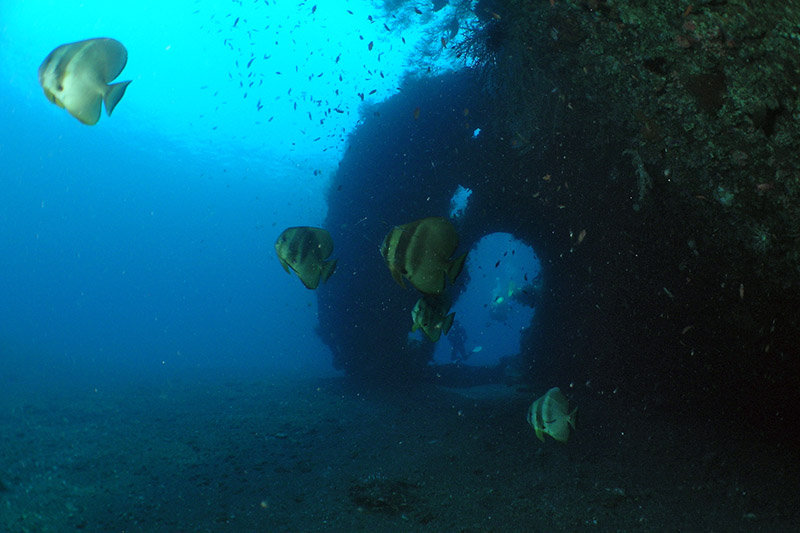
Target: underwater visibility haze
(449, 265)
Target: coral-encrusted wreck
(669, 132)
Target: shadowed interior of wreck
(623, 310)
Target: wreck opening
(497, 305)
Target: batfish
(550, 415)
(420, 251)
(430, 315)
(76, 77)
(305, 251)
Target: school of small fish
(77, 77)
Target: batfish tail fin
(573, 418)
(327, 270)
(455, 268)
(114, 94)
(447, 323)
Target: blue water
(489, 311)
(145, 242)
(159, 371)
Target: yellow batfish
(550, 415)
(305, 251)
(76, 77)
(420, 251)
(430, 315)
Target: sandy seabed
(252, 454)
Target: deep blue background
(145, 243)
